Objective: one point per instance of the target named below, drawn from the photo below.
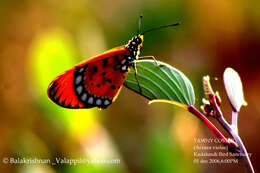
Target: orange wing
(93, 83)
(108, 53)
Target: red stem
(211, 126)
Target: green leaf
(161, 81)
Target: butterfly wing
(61, 91)
(93, 83)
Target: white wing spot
(81, 69)
(98, 102)
(124, 67)
(123, 61)
(106, 102)
(90, 100)
(79, 89)
(84, 97)
(78, 79)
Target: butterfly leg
(149, 57)
(133, 64)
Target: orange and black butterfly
(97, 81)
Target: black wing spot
(115, 67)
(95, 69)
(105, 61)
(109, 80)
(104, 73)
(116, 57)
(113, 87)
(90, 78)
(98, 85)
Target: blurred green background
(41, 39)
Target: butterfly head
(139, 40)
(135, 44)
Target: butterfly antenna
(161, 27)
(139, 24)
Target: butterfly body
(97, 81)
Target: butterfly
(97, 81)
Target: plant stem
(234, 120)
(211, 126)
(243, 153)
